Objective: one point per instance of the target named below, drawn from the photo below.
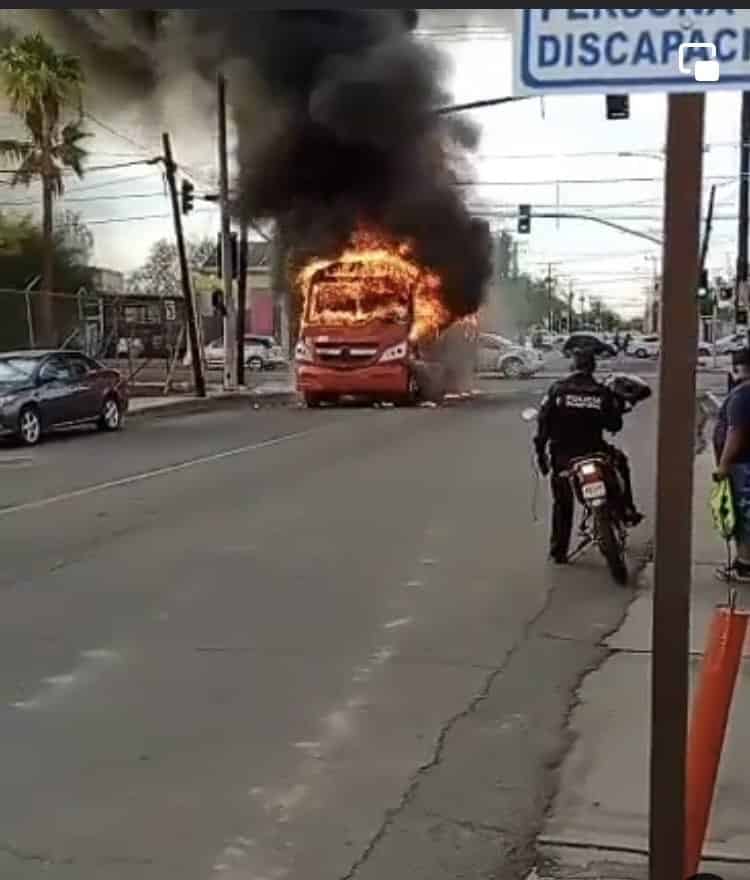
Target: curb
(196, 405)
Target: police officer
(574, 414)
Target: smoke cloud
(334, 115)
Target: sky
(530, 152)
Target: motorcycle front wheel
(610, 545)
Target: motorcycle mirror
(528, 415)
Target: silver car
(496, 354)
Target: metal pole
(549, 297)
(29, 311)
(714, 331)
(702, 265)
(187, 290)
(674, 487)
(570, 307)
(230, 314)
(242, 303)
(744, 207)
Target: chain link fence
(145, 337)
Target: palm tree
(41, 84)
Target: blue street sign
(631, 50)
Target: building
(107, 282)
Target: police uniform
(574, 414)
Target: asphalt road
(280, 643)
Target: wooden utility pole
(707, 232)
(674, 486)
(230, 313)
(187, 288)
(242, 302)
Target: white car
(645, 347)
(261, 353)
(496, 354)
(734, 342)
(133, 345)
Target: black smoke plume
(335, 118)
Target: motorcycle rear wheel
(611, 546)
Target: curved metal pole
(619, 227)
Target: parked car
(42, 391)
(261, 353)
(733, 342)
(645, 347)
(496, 354)
(600, 347)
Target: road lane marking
(397, 624)
(150, 475)
(56, 687)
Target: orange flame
(374, 279)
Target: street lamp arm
(478, 105)
(554, 215)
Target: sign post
(674, 487)
(684, 52)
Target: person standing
(732, 453)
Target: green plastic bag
(722, 509)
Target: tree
(41, 84)
(21, 247)
(72, 234)
(160, 274)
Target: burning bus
(371, 326)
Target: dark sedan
(42, 391)
(591, 341)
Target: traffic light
(705, 295)
(188, 196)
(618, 106)
(524, 219)
(220, 258)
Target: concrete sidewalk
(598, 825)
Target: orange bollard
(708, 725)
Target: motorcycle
(598, 488)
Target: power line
(113, 131)
(114, 182)
(630, 153)
(93, 168)
(580, 180)
(138, 218)
(67, 200)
